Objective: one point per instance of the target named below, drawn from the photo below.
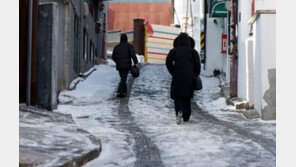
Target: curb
(75, 161)
(240, 105)
(82, 160)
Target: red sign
(224, 44)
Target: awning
(218, 9)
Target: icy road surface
(141, 130)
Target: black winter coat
(183, 63)
(122, 55)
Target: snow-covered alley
(140, 130)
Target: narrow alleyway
(140, 130)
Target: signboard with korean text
(224, 44)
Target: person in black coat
(183, 64)
(122, 55)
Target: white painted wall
(265, 56)
(214, 58)
(250, 70)
(245, 11)
(227, 70)
(268, 50)
(257, 66)
(265, 4)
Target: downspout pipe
(29, 58)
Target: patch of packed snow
(198, 141)
(110, 62)
(93, 89)
(44, 134)
(92, 108)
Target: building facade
(68, 41)
(263, 37)
(123, 12)
(250, 60)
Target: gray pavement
(213, 137)
(140, 130)
(52, 139)
(147, 153)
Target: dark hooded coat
(123, 53)
(184, 65)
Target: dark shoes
(121, 95)
(179, 117)
(185, 120)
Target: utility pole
(191, 14)
(186, 17)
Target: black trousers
(183, 105)
(122, 85)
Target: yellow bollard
(145, 52)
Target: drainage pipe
(30, 15)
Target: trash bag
(135, 72)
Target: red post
(234, 54)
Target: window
(85, 45)
(91, 52)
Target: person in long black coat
(122, 55)
(183, 64)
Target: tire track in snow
(267, 144)
(147, 153)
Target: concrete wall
(214, 58)
(113, 38)
(65, 43)
(103, 34)
(123, 12)
(88, 25)
(265, 65)
(67, 12)
(245, 8)
(60, 15)
(64, 17)
(47, 56)
(69, 73)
